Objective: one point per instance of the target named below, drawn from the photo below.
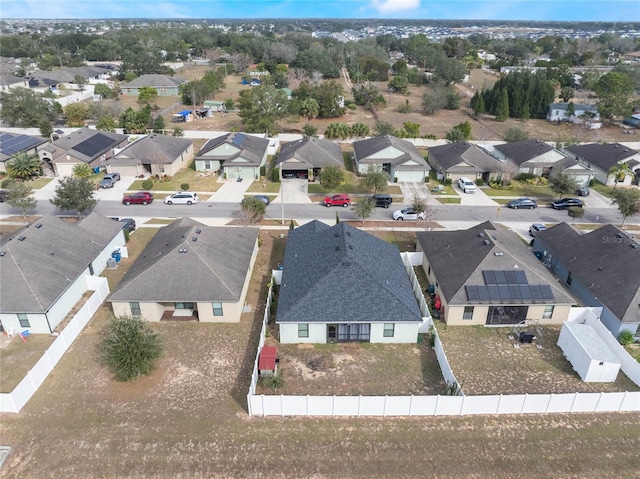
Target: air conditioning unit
(112, 263)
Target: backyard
(189, 419)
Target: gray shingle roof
(602, 155)
(308, 153)
(463, 157)
(525, 150)
(213, 268)
(106, 142)
(241, 145)
(35, 271)
(155, 81)
(340, 274)
(364, 149)
(458, 258)
(612, 266)
(154, 148)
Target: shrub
(525, 176)
(6, 183)
(275, 175)
(480, 182)
(184, 186)
(351, 106)
(263, 170)
(448, 181)
(129, 348)
(147, 184)
(271, 381)
(625, 337)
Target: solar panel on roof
(547, 294)
(500, 277)
(238, 139)
(521, 278)
(483, 293)
(494, 293)
(10, 144)
(95, 145)
(472, 293)
(504, 292)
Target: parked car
(128, 224)
(109, 180)
(583, 191)
(522, 203)
(466, 185)
(535, 227)
(182, 198)
(381, 199)
(139, 198)
(407, 214)
(4, 195)
(337, 200)
(288, 174)
(565, 203)
(264, 198)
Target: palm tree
(24, 165)
(620, 171)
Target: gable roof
(36, 270)
(461, 258)
(602, 155)
(341, 274)
(522, 151)
(604, 261)
(248, 147)
(310, 153)
(173, 267)
(154, 81)
(153, 148)
(12, 143)
(8, 79)
(452, 155)
(87, 145)
(363, 149)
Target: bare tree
(240, 61)
(295, 76)
(508, 171)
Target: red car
(337, 200)
(139, 198)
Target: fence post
(359, 404)
(249, 403)
(548, 403)
(411, 405)
(462, 405)
(575, 396)
(435, 410)
(498, 406)
(526, 395)
(281, 407)
(622, 402)
(333, 406)
(264, 412)
(384, 407)
(598, 403)
(307, 404)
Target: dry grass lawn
(188, 420)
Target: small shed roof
(267, 361)
(592, 344)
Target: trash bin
(116, 255)
(96, 169)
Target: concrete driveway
(293, 190)
(596, 200)
(117, 192)
(231, 191)
(479, 198)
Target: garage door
(414, 176)
(581, 179)
(244, 173)
(64, 169)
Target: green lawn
(39, 183)
(602, 189)
(521, 189)
(448, 200)
(185, 175)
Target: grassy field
(521, 189)
(188, 420)
(185, 175)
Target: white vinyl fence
(16, 399)
(285, 405)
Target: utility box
(587, 352)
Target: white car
(407, 214)
(466, 185)
(182, 198)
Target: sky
(543, 10)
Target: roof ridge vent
(194, 238)
(498, 253)
(183, 250)
(487, 242)
(22, 238)
(39, 225)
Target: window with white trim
(548, 312)
(24, 320)
(303, 330)
(389, 330)
(217, 308)
(135, 309)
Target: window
(207, 165)
(388, 330)
(548, 312)
(468, 312)
(569, 278)
(183, 305)
(135, 309)
(24, 321)
(217, 309)
(303, 330)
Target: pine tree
(502, 108)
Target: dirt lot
(188, 420)
(483, 128)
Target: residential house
(236, 155)
(486, 275)
(539, 158)
(84, 145)
(189, 271)
(156, 155)
(601, 157)
(68, 78)
(399, 158)
(341, 284)
(306, 157)
(562, 112)
(9, 81)
(44, 269)
(164, 84)
(600, 268)
(464, 159)
(13, 143)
